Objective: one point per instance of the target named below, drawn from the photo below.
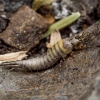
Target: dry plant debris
(49, 18)
(54, 38)
(38, 3)
(13, 56)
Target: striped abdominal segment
(44, 61)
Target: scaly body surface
(59, 50)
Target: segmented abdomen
(44, 61)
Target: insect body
(59, 50)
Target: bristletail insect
(59, 50)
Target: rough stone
(14, 5)
(93, 92)
(25, 29)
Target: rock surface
(14, 5)
(25, 29)
(68, 80)
(93, 93)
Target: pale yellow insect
(59, 50)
